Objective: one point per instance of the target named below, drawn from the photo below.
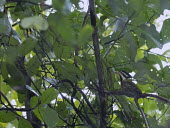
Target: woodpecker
(129, 88)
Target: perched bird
(129, 88)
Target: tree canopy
(58, 63)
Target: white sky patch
(49, 2)
(159, 24)
(13, 102)
(84, 5)
(160, 20)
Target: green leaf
(38, 22)
(166, 73)
(21, 97)
(165, 31)
(153, 122)
(62, 25)
(7, 116)
(131, 45)
(15, 75)
(136, 5)
(164, 92)
(15, 79)
(143, 73)
(151, 32)
(34, 101)
(16, 36)
(68, 70)
(50, 116)
(85, 34)
(148, 88)
(48, 95)
(27, 46)
(5, 25)
(154, 59)
(62, 51)
(58, 4)
(150, 107)
(11, 54)
(24, 123)
(33, 65)
(58, 50)
(14, 41)
(139, 55)
(62, 109)
(4, 71)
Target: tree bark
(98, 60)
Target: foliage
(57, 62)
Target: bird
(128, 87)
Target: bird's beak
(116, 72)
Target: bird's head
(123, 75)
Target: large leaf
(4, 24)
(165, 31)
(68, 70)
(15, 79)
(27, 46)
(7, 116)
(50, 116)
(49, 95)
(85, 34)
(66, 32)
(33, 65)
(24, 124)
(11, 54)
(62, 51)
(151, 32)
(38, 22)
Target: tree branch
(144, 95)
(20, 109)
(98, 60)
